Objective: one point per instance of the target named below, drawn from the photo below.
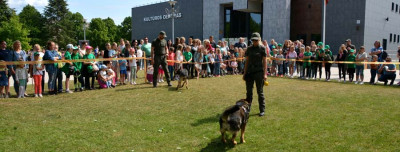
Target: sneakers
(339, 80)
(7, 95)
(40, 95)
(356, 82)
(361, 83)
(36, 95)
(68, 91)
(261, 114)
(134, 83)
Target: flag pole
(324, 23)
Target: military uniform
(255, 73)
(160, 58)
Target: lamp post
(84, 29)
(172, 12)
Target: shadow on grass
(134, 88)
(211, 119)
(217, 145)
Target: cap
(320, 44)
(255, 36)
(351, 51)
(36, 53)
(273, 47)
(70, 46)
(103, 67)
(163, 33)
(89, 47)
(327, 47)
(280, 45)
(348, 40)
(75, 48)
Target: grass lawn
(300, 116)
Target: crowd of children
(201, 58)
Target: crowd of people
(202, 58)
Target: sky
(115, 9)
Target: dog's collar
(245, 110)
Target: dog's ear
(244, 101)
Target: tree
(58, 24)
(98, 33)
(13, 30)
(5, 12)
(125, 29)
(78, 23)
(34, 22)
(112, 29)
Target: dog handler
(158, 54)
(254, 71)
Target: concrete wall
(377, 28)
(341, 23)
(190, 24)
(276, 20)
(213, 18)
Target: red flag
(326, 1)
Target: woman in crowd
(291, 57)
(341, 66)
(328, 57)
(361, 57)
(52, 55)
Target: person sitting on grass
(389, 71)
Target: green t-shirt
(307, 61)
(89, 56)
(319, 54)
(78, 65)
(187, 55)
(147, 49)
(65, 68)
(351, 58)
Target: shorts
(139, 63)
(160, 71)
(360, 70)
(198, 66)
(123, 72)
(204, 66)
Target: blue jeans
(373, 76)
(386, 77)
(171, 71)
(217, 68)
(16, 87)
(280, 69)
(52, 80)
(59, 80)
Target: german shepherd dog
(183, 76)
(234, 119)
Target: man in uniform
(255, 71)
(159, 53)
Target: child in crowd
(327, 58)
(300, 63)
(306, 63)
(217, 64)
(179, 59)
(361, 57)
(188, 56)
(3, 80)
(279, 62)
(211, 56)
(77, 72)
(123, 69)
(351, 68)
(37, 75)
(204, 66)
(133, 67)
(340, 58)
(140, 64)
(109, 78)
(149, 75)
(374, 69)
(171, 63)
(291, 56)
(314, 65)
(21, 76)
(273, 58)
(234, 66)
(160, 76)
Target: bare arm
(265, 66)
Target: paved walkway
(334, 76)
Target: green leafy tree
(112, 29)
(125, 29)
(34, 22)
(58, 23)
(5, 12)
(13, 30)
(98, 33)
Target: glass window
(394, 37)
(397, 7)
(398, 38)
(255, 23)
(227, 26)
(390, 38)
(392, 6)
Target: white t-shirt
(179, 56)
(132, 63)
(212, 58)
(139, 53)
(82, 52)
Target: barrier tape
(238, 59)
